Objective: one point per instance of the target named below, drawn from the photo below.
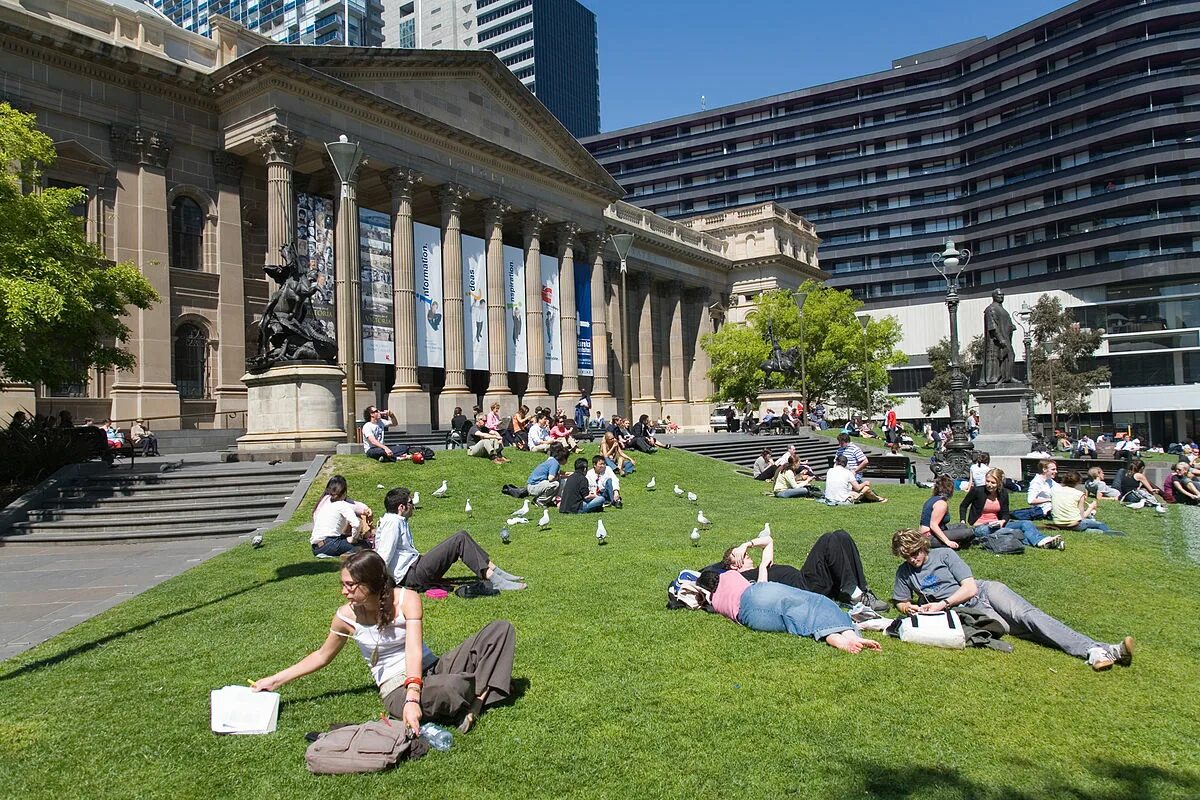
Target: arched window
(191, 362)
(187, 234)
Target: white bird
(379, 486)
(505, 536)
(695, 537)
(692, 496)
(442, 490)
(766, 531)
(256, 542)
(517, 521)
(523, 511)
(468, 508)
(601, 534)
(544, 522)
(650, 486)
(416, 498)
(701, 519)
(678, 491)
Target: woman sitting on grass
(413, 683)
(1070, 509)
(340, 525)
(774, 607)
(614, 456)
(941, 580)
(935, 514)
(985, 508)
(792, 480)
(1137, 491)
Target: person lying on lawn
(941, 580)
(414, 684)
(777, 607)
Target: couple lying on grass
(802, 602)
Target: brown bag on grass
(369, 747)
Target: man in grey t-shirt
(935, 580)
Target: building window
(191, 362)
(187, 234)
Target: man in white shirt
(539, 435)
(1039, 496)
(411, 569)
(842, 486)
(377, 421)
(603, 482)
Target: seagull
(701, 519)
(544, 522)
(766, 531)
(601, 534)
(257, 541)
(517, 521)
(442, 490)
(523, 511)
(695, 537)
(678, 491)
(416, 498)
(692, 496)
(468, 507)
(379, 486)
(650, 486)
(505, 536)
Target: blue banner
(583, 315)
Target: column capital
(568, 235)
(532, 222)
(495, 209)
(278, 145)
(227, 168)
(595, 243)
(137, 145)
(402, 182)
(451, 196)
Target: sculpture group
(288, 330)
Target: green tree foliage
(61, 301)
(935, 394)
(833, 349)
(1072, 349)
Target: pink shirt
(559, 432)
(493, 420)
(728, 597)
(990, 513)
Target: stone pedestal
(293, 408)
(412, 410)
(448, 401)
(1004, 435)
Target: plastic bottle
(436, 736)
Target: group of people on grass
(793, 477)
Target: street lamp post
(622, 243)
(800, 297)
(1023, 317)
(865, 320)
(347, 159)
(957, 460)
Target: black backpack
(515, 491)
(1002, 543)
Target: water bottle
(436, 736)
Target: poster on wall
(475, 289)
(427, 268)
(583, 315)
(314, 251)
(514, 308)
(551, 315)
(375, 268)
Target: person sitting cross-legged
(543, 482)
(1136, 489)
(576, 496)
(603, 482)
(794, 479)
(614, 455)
(856, 459)
(764, 468)
(378, 421)
(1040, 488)
(843, 488)
(340, 525)
(1182, 486)
(1070, 507)
(485, 442)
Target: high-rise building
(1063, 153)
(353, 22)
(549, 44)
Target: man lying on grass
(775, 607)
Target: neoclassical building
(475, 231)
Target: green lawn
(619, 697)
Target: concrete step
(188, 482)
(434, 441)
(218, 496)
(134, 522)
(182, 442)
(173, 508)
(55, 536)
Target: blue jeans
(1092, 525)
(1029, 532)
(627, 469)
(799, 491)
(776, 607)
(1031, 513)
(605, 491)
(595, 504)
(334, 546)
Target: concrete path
(44, 590)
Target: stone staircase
(189, 440)
(742, 449)
(435, 440)
(196, 499)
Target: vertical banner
(314, 251)
(375, 266)
(427, 268)
(583, 315)
(475, 289)
(514, 308)
(551, 314)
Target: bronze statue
(998, 355)
(782, 361)
(288, 329)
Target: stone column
(455, 391)
(567, 241)
(612, 306)
(699, 387)
(406, 399)
(142, 236)
(230, 392)
(535, 392)
(498, 389)
(600, 382)
(644, 380)
(348, 299)
(674, 360)
(278, 147)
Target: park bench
(894, 467)
(94, 442)
(1029, 466)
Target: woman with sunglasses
(414, 684)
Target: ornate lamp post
(347, 158)
(957, 460)
(865, 320)
(1027, 337)
(800, 297)
(622, 243)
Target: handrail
(214, 415)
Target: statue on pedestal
(288, 329)
(998, 354)
(782, 361)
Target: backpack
(369, 747)
(684, 592)
(426, 452)
(1168, 488)
(514, 491)
(1001, 544)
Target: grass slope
(621, 698)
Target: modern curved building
(1062, 153)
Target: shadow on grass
(1133, 782)
(283, 573)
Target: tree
(1066, 383)
(61, 301)
(833, 349)
(935, 394)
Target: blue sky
(657, 57)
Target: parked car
(719, 418)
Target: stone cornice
(134, 144)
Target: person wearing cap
(143, 437)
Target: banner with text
(583, 315)
(475, 316)
(551, 314)
(375, 268)
(314, 251)
(514, 308)
(427, 268)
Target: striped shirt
(854, 455)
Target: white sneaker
(1138, 504)
(1100, 658)
(1161, 509)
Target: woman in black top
(643, 435)
(985, 508)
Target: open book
(240, 709)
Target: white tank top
(384, 649)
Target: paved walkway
(44, 590)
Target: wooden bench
(1029, 466)
(894, 467)
(94, 442)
